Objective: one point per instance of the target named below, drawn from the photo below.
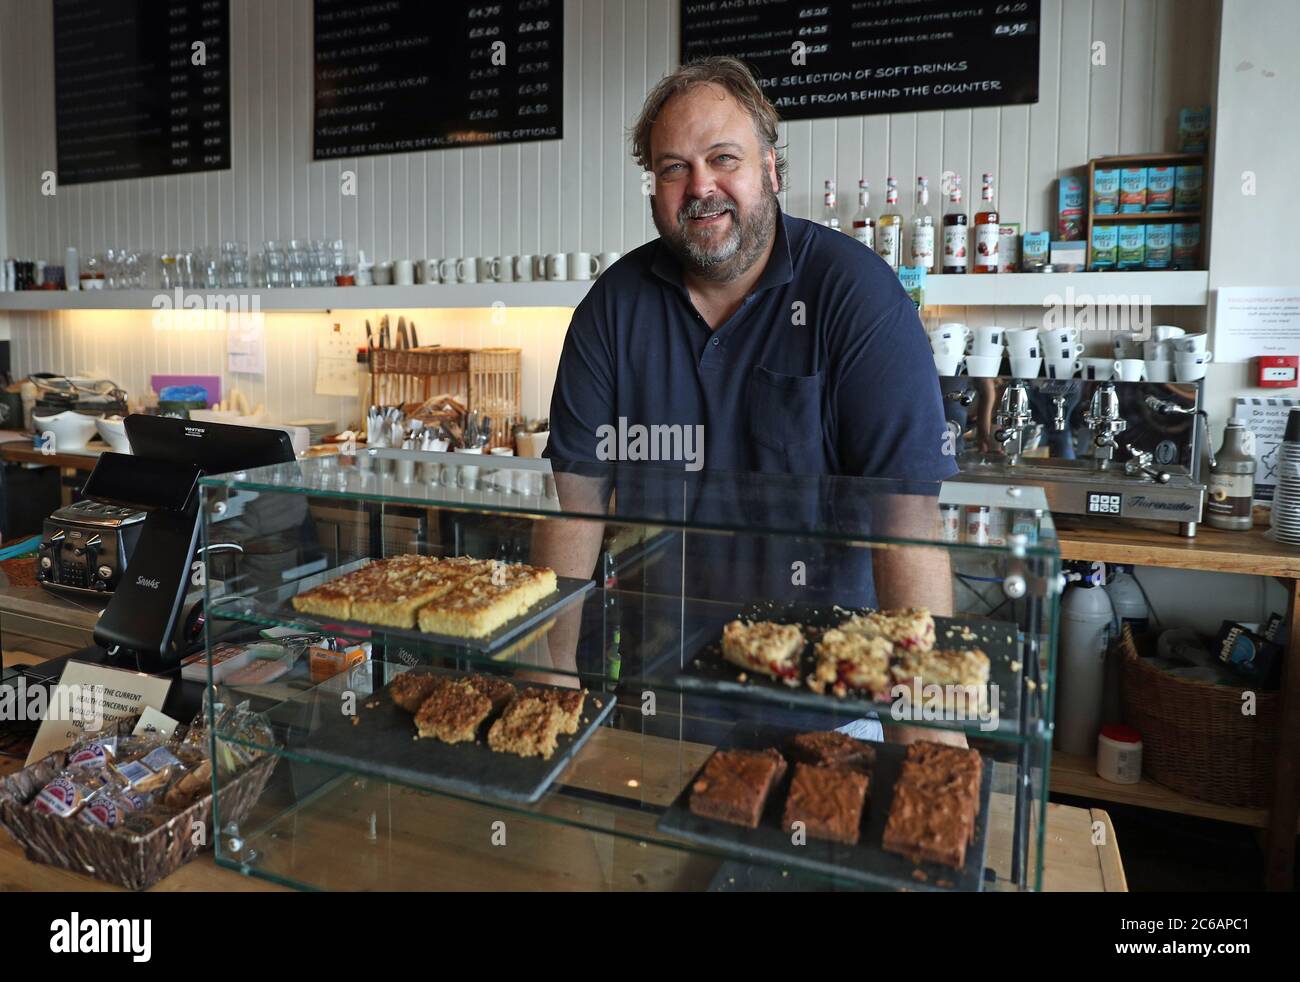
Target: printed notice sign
(1250, 321)
(1266, 418)
(89, 698)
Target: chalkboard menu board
(405, 75)
(141, 87)
(861, 57)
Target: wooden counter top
(24, 453)
(36, 601)
(555, 856)
(1158, 544)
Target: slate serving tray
(385, 740)
(277, 605)
(866, 863)
(708, 672)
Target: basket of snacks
(132, 809)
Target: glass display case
(687, 613)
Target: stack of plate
(1284, 526)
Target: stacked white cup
(1061, 351)
(1191, 357)
(984, 351)
(1158, 353)
(1025, 350)
(948, 342)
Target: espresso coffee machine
(1117, 450)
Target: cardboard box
(1105, 191)
(1187, 245)
(1160, 189)
(1009, 248)
(1132, 246)
(1035, 250)
(1105, 247)
(1160, 246)
(1193, 129)
(1069, 209)
(1133, 190)
(1069, 257)
(1187, 187)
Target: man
(794, 349)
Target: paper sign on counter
(89, 698)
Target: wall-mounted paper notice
(336, 364)
(1250, 321)
(246, 346)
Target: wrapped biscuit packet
(72, 790)
(109, 811)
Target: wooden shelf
(1170, 287)
(1147, 158)
(1148, 216)
(1157, 544)
(1077, 776)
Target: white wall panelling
(579, 192)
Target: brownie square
(828, 800)
(951, 773)
(410, 689)
(925, 826)
(734, 784)
(497, 689)
(832, 749)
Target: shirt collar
(778, 272)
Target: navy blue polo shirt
(823, 369)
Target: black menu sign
(141, 87)
(400, 75)
(861, 57)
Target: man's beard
(743, 245)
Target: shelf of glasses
(244, 301)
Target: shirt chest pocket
(785, 420)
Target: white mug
(523, 268)
(383, 274)
(485, 267)
(404, 272)
(1157, 350)
(1129, 369)
(447, 270)
(983, 366)
(986, 339)
(582, 265)
(1191, 369)
(606, 260)
(556, 266)
(1189, 345)
(951, 332)
(1058, 336)
(1062, 367)
(1159, 371)
(947, 348)
(503, 269)
(1022, 342)
(1026, 367)
(948, 362)
(1055, 351)
(1128, 345)
(467, 270)
(1167, 332)
(1097, 369)
(427, 271)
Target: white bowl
(113, 431)
(72, 430)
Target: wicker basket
(1195, 738)
(136, 862)
(487, 380)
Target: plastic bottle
(1232, 480)
(1086, 615)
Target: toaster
(85, 547)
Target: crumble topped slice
(764, 647)
(907, 628)
(529, 727)
(453, 713)
(852, 662)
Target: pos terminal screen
(141, 482)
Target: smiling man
(790, 348)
